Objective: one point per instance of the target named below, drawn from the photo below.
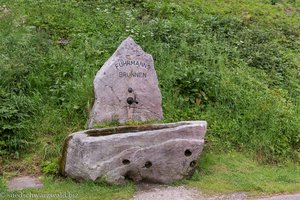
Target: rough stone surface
(24, 182)
(128, 73)
(159, 153)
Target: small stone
(24, 182)
(126, 87)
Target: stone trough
(160, 153)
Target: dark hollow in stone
(130, 100)
(126, 162)
(130, 90)
(148, 164)
(193, 163)
(126, 129)
(131, 176)
(187, 152)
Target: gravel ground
(148, 191)
(159, 192)
(283, 197)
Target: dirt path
(156, 192)
(283, 197)
(160, 192)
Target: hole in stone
(187, 152)
(130, 100)
(126, 162)
(130, 90)
(193, 163)
(148, 164)
(130, 176)
(136, 102)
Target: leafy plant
(50, 167)
(14, 133)
(198, 84)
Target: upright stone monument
(126, 87)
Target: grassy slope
(232, 63)
(234, 172)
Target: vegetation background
(235, 64)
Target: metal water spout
(131, 100)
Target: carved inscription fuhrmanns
(128, 68)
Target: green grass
(83, 190)
(235, 172)
(2, 184)
(234, 64)
(229, 63)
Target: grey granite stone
(160, 153)
(126, 87)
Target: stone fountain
(126, 89)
